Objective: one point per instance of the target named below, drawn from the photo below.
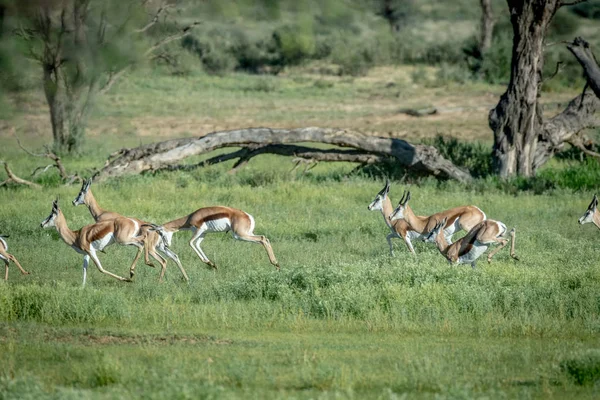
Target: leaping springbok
(216, 219)
(591, 214)
(399, 227)
(457, 218)
(469, 248)
(95, 237)
(153, 241)
(6, 257)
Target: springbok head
(377, 204)
(433, 234)
(50, 221)
(398, 212)
(588, 216)
(165, 236)
(85, 188)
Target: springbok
(469, 248)
(216, 219)
(6, 257)
(399, 228)
(95, 237)
(591, 214)
(457, 218)
(153, 241)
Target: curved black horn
(401, 202)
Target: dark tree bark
(581, 50)
(486, 27)
(523, 142)
(164, 155)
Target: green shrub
(294, 44)
(589, 9)
(584, 370)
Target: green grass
(341, 319)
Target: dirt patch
(94, 339)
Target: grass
(342, 318)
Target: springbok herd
(111, 227)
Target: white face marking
(587, 217)
(377, 204)
(49, 222)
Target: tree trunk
(487, 26)
(517, 119)
(67, 113)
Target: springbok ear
(595, 201)
(55, 204)
(401, 202)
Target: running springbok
(591, 214)
(469, 248)
(153, 241)
(6, 257)
(399, 227)
(95, 237)
(457, 219)
(216, 219)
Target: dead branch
(162, 9)
(186, 30)
(12, 178)
(64, 176)
(161, 155)
(577, 141)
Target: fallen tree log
(165, 155)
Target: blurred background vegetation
(340, 37)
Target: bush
(584, 370)
(590, 9)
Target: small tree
(523, 139)
(83, 47)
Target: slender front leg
(195, 244)
(6, 270)
(409, 245)
(512, 243)
(99, 266)
(389, 241)
(175, 258)
(86, 262)
(14, 259)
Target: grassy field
(342, 319)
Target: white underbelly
(100, 244)
(414, 235)
(217, 225)
(452, 229)
(4, 244)
(476, 251)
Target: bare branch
(12, 178)
(154, 20)
(570, 3)
(181, 34)
(112, 78)
(556, 71)
(576, 141)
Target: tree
(523, 139)
(83, 47)
(395, 12)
